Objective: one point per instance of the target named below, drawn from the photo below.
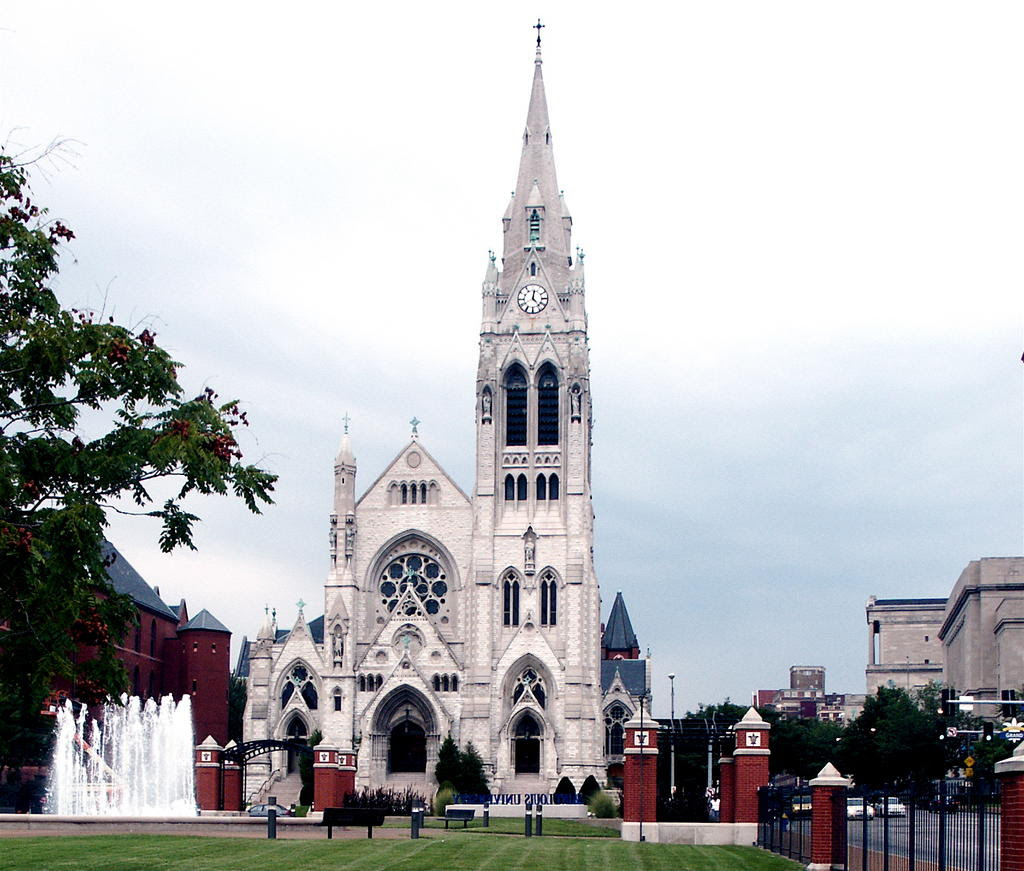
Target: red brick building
(170, 653)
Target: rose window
(421, 574)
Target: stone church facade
(475, 615)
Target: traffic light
(1009, 711)
(948, 708)
(986, 730)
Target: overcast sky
(803, 224)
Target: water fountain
(137, 761)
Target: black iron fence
(949, 825)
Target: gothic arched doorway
(526, 745)
(296, 732)
(408, 748)
(404, 734)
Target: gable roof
(242, 665)
(124, 579)
(205, 620)
(618, 631)
(315, 628)
(633, 673)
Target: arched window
(553, 486)
(455, 683)
(152, 637)
(136, 685)
(542, 488)
(548, 600)
(362, 683)
(152, 686)
(521, 486)
(437, 683)
(413, 493)
(510, 600)
(405, 494)
(547, 406)
(533, 269)
(423, 493)
(515, 406)
(510, 488)
(445, 684)
(337, 700)
(138, 638)
(380, 681)
(534, 227)
(299, 679)
(530, 682)
(613, 734)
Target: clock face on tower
(532, 298)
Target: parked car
(262, 810)
(952, 802)
(892, 807)
(859, 809)
(801, 806)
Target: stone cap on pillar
(1014, 764)
(752, 735)
(230, 745)
(640, 733)
(208, 752)
(325, 755)
(830, 776)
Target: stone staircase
(286, 790)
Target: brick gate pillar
(828, 820)
(325, 777)
(640, 780)
(751, 764)
(727, 790)
(1011, 829)
(232, 782)
(207, 769)
(346, 775)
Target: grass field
(456, 852)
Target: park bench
(458, 813)
(352, 816)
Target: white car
(892, 807)
(859, 809)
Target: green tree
(92, 415)
(306, 794)
(472, 778)
(802, 746)
(448, 765)
(894, 741)
(238, 694)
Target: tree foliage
(463, 770)
(91, 415)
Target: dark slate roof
(242, 665)
(932, 602)
(618, 631)
(205, 620)
(632, 671)
(124, 579)
(176, 609)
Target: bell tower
(533, 533)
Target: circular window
(418, 573)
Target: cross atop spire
(538, 27)
(415, 423)
(346, 420)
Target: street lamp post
(672, 739)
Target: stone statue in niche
(530, 552)
(337, 644)
(485, 406)
(576, 402)
(350, 535)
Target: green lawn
(456, 852)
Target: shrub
(601, 805)
(441, 801)
(396, 803)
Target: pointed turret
(619, 640)
(343, 518)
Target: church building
(471, 614)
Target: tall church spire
(535, 217)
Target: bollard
(540, 819)
(487, 813)
(529, 819)
(272, 823)
(415, 821)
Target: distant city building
(904, 648)
(806, 697)
(972, 641)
